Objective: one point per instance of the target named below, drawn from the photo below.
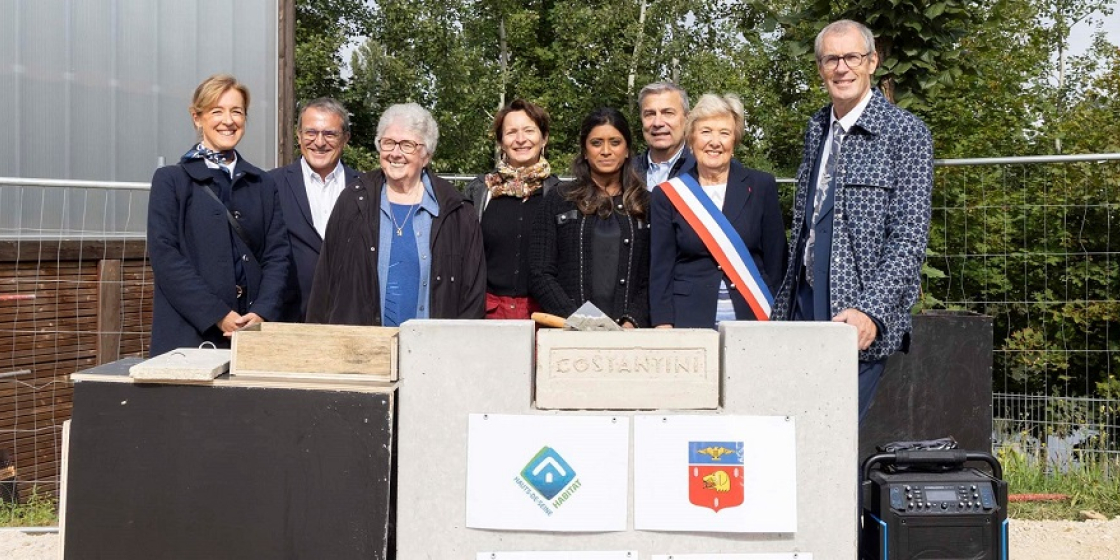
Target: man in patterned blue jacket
(862, 209)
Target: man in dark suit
(308, 190)
(664, 108)
(862, 208)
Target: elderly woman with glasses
(506, 200)
(718, 242)
(216, 232)
(401, 242)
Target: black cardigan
(560, 276)
(347, 290)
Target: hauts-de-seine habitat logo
(715, 474)
(548, 480)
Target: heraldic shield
(715, 474)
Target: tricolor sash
(722, 241)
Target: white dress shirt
(321, 195)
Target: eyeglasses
(310, 134)
(407, 146)
(853, 60)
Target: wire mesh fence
(1059, 433)
(1033, 242)
(75, 291)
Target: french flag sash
(722, 241)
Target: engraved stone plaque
(628, 370)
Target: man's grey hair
(663, 87)
(414, 118)
(843, 26)
(328, 105)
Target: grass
(1091, 484)
(37, 511)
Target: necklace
(392, 216)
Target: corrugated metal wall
(98, 90)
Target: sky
(1082, 34)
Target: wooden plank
(297, 351)
(66, 249)
(64, 472)
(108, 311)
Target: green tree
(918, 41)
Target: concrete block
(183, 364)
(628, 370)
(451, 369)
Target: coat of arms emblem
(715, 474)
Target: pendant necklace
(392, 216)
(400, 227)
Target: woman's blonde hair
(207, 93)
(712, 105)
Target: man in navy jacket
(308, 190)
(664, 109)
(861, 212)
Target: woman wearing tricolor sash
(717, 239)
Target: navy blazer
(684, 277)
(304, 238)
(191, 247)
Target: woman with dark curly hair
(591, 236)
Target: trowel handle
(548, 320)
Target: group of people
(682, 235)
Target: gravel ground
(1030, 540)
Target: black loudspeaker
(928, 505)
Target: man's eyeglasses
(310, 134)
(853, 60)
(407, 146)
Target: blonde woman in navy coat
(687, 287)
(211, 277)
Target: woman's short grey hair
(843, 26)
(663, 87)
(328, 105)
(413, 117)
(711, 105)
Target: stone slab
(669, 369)
(183, 364)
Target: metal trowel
(587, 318)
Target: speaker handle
(932, 457)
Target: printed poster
(574, 555)
(718, 474)
(547, 473)
(766, 556)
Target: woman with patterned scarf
(216, 235)
(506, 200)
